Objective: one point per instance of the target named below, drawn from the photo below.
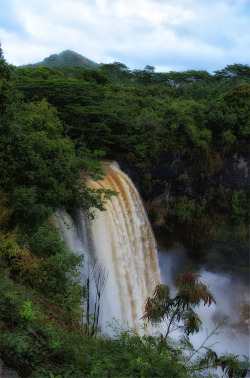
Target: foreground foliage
(40, 338)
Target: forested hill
(66, 58)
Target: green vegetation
(55, 125)
(66, 58)
(142, 113)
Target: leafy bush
(21, 263)
(28, 313)
(240, 207)
(46, 241)
(186, 209)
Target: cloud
(9, 19)
(176, 35)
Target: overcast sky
(168, 34)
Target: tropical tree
(239, 100)
(5, 85)
(178, 311)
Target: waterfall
(122, 240)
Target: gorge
(122, 241)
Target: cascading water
(122, 240)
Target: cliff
(200, 202)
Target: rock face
(185, 174)
(5, 372)
(188, 198)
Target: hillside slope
(67, 58)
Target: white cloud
(136, 32)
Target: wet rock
(188, 175)
(6, 372)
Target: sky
(171, 35)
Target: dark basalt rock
(186, 175)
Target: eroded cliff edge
(200, 201)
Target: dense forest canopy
(58, 122)
(143, 112)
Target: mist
(232, 298)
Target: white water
(122, 240)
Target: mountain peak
(66, 58)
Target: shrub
(186, 209)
